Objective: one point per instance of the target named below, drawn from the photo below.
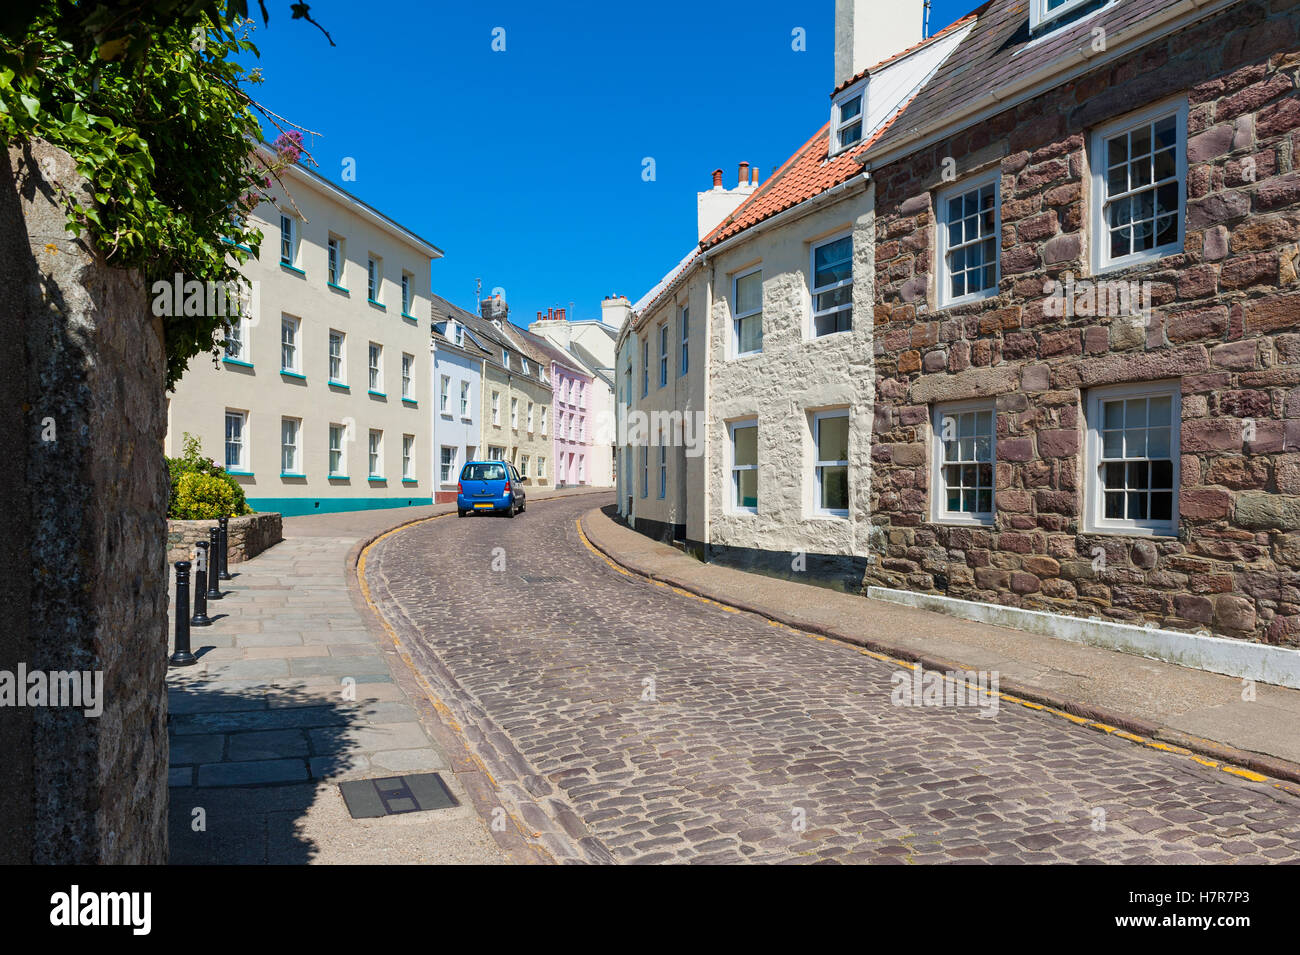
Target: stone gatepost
(83, 576)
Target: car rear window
(483, 472)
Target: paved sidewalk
(298, 688)
(1201, 711)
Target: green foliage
(148, 100)
(204, 495)
(201, 497)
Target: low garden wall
(246, 537)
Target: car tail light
(507, 490)
(460, 488)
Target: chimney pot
(753, 176)
(717, 179)
(743, 178)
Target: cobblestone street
(622, 719)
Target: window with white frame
(458, 334)
(831, 464)
(446, 464)
(408, 373)
(747, 313)
(744, 465)
(969, 241)
(1048, 12)
(514, 414)
(965, 460)
(336, 356)
(541, 468)
(645, 470)
(444, 394)
(684, 328)
(496, 454)
(373, 278)
(848, 109)
(663, 354)
(1140, 181)
(408, 457)
(375, 447)
(406, 293)
(335, 271)
(1132, 452)
(543, 420)
(236, 441)
(336, 450)
(289, 454)
(832, 286)
(496, 407)
(582, 428)
(523, 466)
(464, 399)
(582, 394)
(663, 467)
(375, 367)
(582, 469)
(530, 417)
(289, 343)
(523, 364)
(236, 338)
(645, 367)
(505, 359)
(288, 240)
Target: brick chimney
(714, 205)
(615, 310)
(494, 309)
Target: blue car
(490, 487)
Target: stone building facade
(1205, 359)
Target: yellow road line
(1077, 720)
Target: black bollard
(181, 656)
(201, 618)
(214, 548)
(225, 567)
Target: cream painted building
(319, 400)
(516, 413)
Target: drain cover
(370, 798)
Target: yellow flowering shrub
(202, 497)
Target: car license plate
(482, 505)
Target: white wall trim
(1279, 666)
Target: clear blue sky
(525, 166)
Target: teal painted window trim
(292, 374)
(377, 394)
(292, 268)
(410, 480)
(338, 477)
(338, 288)
(242, 248)
(379, 305)
(411, 317)
(332, 504)
(338, 384)
(376, 479)
(239, 473)
(291, 474)
(411, 401)
(236, 361)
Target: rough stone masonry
(1225, 322)
(82, 532)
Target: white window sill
(1139, 258)
(955, 520)
(1167, 533)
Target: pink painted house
(571, 418)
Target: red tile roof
(809, 172)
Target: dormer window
(1044, 12)
(847, 117)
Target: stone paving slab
(293, 692)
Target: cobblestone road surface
(758, 743)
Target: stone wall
(1225, 323)
(246, 536)
(85, 489)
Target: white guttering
(1061, 71)
(367, 211)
